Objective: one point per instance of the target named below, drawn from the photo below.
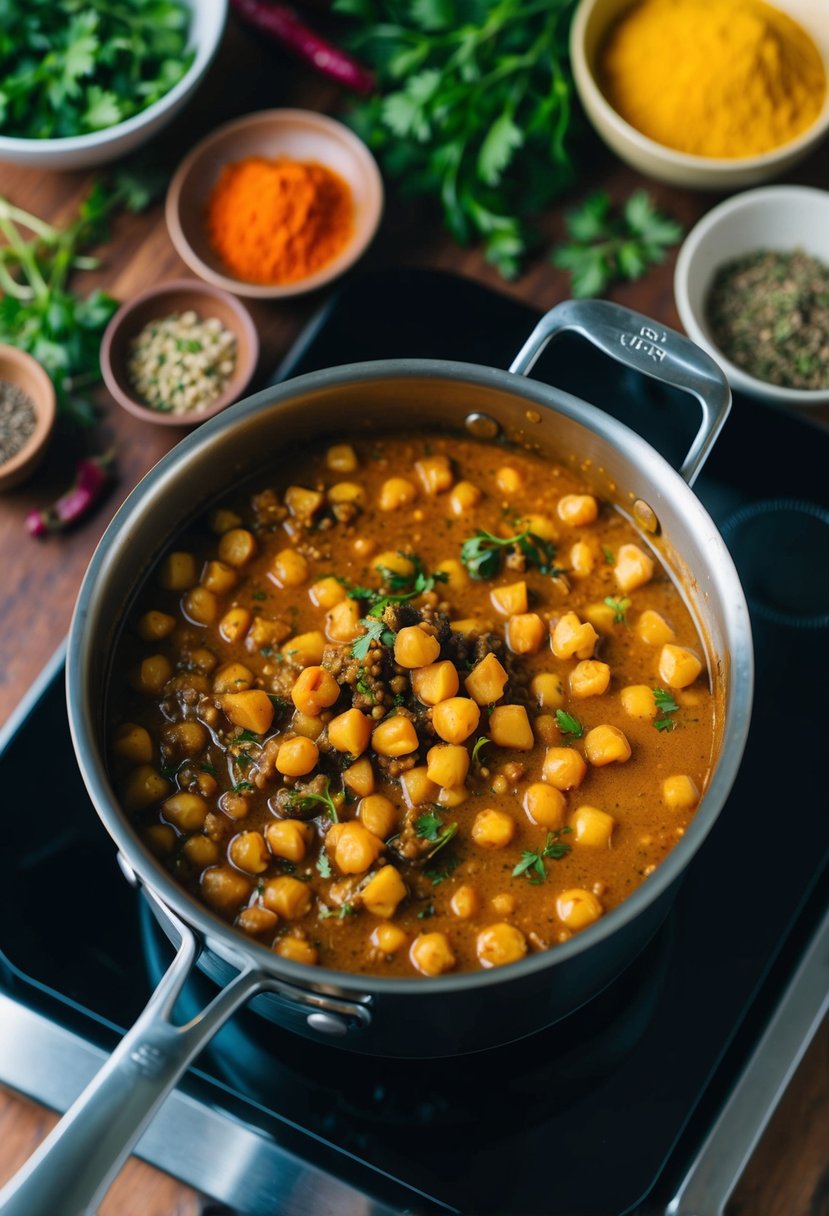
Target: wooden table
(789, 1174)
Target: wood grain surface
(789, 1174)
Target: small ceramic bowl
(162, 301)
(16, 367)
(592, 20)
(298, 135)
(774, 217)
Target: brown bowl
(300, 135)
(178, 295)
(16, 367)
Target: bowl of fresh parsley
(86, 82)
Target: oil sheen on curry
(418, 706)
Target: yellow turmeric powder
(719, 78)
(278, 221)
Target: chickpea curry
(423, 705)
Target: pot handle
(75, 1165)
(648, 347)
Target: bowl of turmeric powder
(275, 203)
(710, 94)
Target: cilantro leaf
(568, 725)
(480, 744)
(306, 800)
(666, 704)
(532, 864)
(428, 825)
(481, 553)
(620, 605)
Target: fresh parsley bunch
(474, 108)
(68, 67)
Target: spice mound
(17, 420)
(718, 78)
(769, 314)
(278, 221)
(181, 363)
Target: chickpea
(545, 805)
(486, 681)
(417, 788)
(287, 897)
(342, 622)
(548, 690)
(455, 719)
(341, 458)
(395, 737)
(143, 787)
(384, 892)
(582, 560)
(224, 888)
(545, 729)
(255, 920)
(593, 827)
(465, 902)
(347, 492)
(464, 497)
(633, 568)
(571, 638)
(200, 851)
(395, 493)
(234, 624)
(290, 569)
(680, 792)
(249, 852)
(431, 954)
(564, 768)
(637, 701)
(653, 628)
(606, 744)
(350, 732)
(508, 480)
(577, 510)
(510, 600)
(185, 811)
(590, 678)
(509, 726)
(678, 666)
(500, 944)
(161, 839)
(359, 777)
(315, 689)
(326, 592)
(296, 950)
(222, 521)
(388, 939)
(414, 647)
(154, 673)
(493, 829)
(378, 814)
(219, 578)
(132, 743)
(435, 473)
(456, 577)
(436, 682)
(447, 764)
(578, 908)
(237, 547)
(178, 572)
(153, 626)
(541, 526)
(504, 903)
(289, 838)
(305, 649)
(356, 848)
(525, 633)
(232, 677)
(392, 560)
(297, 756)
(452, 796)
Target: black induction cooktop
(599, 1115)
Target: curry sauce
(420, 705)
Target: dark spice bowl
(20, 369)
(773, 218)
(179, 295)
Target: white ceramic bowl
(590, 23)
(99, 147)
(774, 217)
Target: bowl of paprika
(275, 203)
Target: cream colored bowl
(590, 23)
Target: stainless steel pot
(393, 1017)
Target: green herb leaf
(620, 605)
(427, 912)
(666, 704)
(532, 863)
(428, 825)
(341, 913)
(438, 876)
(480, 744)
(568, 725)
(242, 785)
(323, 864)
(481, 553)
(305, 801)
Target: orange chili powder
(277, 221)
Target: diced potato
(590, 678)
(224, 888)
(464, 497)
(266, 632)
(306, 649)
(303, 503)
(153, 626)
(572, 639)
(415, 647)
(500, 944)
(601, 616)
(447, 764)
(378, 814)
(525, 633)
(680, 792)
(315, 689)
(564, 768)
(578, 908)
(637, 701)
(431, 954)
(593, 827)
(341, 458)
(326, 592)
(493, 829)
(508, 480)
(237, 547)
(486, 681)
(678, 666)
(178, 572)
(455, 719)
(347, 492)
(509, 726)
(384, 892)
(296, 950)
(154, 673)
(653, 628)
(395, 736)
(249, 852)
(509, 600)
(234, 624)
(342, 622)
(388, 939)
(252, 710)
(457, 578)
(548, 690)
(465, 902)
(218, 577)
(416, 786)
(582, 560)
(545, 805)
(633, 568)
(200, 606)
(359, 777)
(606, 744)
(289, 569)
(232, 677)
(469, 626)
(541, 526)
(132, 743)
(436, 682)
(576, 510)
(350, 732)
(398, 563)
(356, 848)
(287, 897)
(396, 493)
(435, 473)
(289, 838)
(297, 756)
(222, 521)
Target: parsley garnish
(247, 736)
(532, 864)
(481, 553)
(428, 825)
(608, 555)
(426, 912)
(376, 631)
(403, 587)
(243, 760)
(480, 744)
(341, 913)
(666, 705)
(323, 864)
(242, 785)
(279, 703)
(306, 800)
(438, 876)
(568, 725)
(620, 605)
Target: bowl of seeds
(752, 288)
(27, 415)
(179, 353)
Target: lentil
(17, 420)
(180, 364)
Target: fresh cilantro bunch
(481, 553)
(610, 244)
(473, 108)
(68, 67)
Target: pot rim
(739, 680)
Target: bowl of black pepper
(27, 415)
(752, 288)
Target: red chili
(92, 475)
(283, 25)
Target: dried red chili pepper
(92, 475)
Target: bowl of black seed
(752, 288)
(27, 415)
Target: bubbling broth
(419, 704)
